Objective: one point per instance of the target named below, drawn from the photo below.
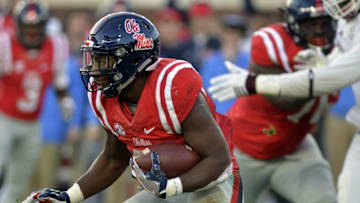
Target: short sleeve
(185, 89)
(180, 88)
(262, 49)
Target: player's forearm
(101, 174)
(342, 72)
(291, 85)
(209, 169)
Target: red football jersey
(25, 74)
(7, 23)
(168, 97)
(262, 129)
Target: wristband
(75, 193)
(174, 187)
(250, 83)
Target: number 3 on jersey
(31, 84)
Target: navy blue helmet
(31, 18)
(301, 14)
(120, 46)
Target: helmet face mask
(32, 36)
(98, 68)
(346, 9)
(31, 17)
(317, 32)
(120, 46)
(309, 24)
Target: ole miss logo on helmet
(131, 26)
(143, 43)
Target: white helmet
(342, 8)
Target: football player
(341, 71)
(6, 16)
(29, 62)
(272, 134)
(142, 100)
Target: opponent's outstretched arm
(343, 71)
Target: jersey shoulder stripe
(279, 43)
(168, 95)
(158, 100)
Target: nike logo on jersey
(148, 131)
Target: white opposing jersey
(347, 35)
(347, 38)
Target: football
(175, 159)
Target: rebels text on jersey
(168, 97)
(262, 129)
(25, 74)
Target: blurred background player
(185, 35)
(234, 47)
(130, 90)
(60, 136)
(272, 134)
(312, 82)
(30, 61)
(174, 34)
(204, 28)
